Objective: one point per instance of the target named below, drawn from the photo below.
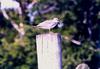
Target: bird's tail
(36, 27)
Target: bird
(48, 24)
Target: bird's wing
(43, 23)
(53, 24)
(48, 24)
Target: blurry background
(81, 22)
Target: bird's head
(56, 19)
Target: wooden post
(49, 51)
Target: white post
(49, 51)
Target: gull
(48, 24)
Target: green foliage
(15, 56)
(73, 55)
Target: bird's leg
(49, 30)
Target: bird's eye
(58, 22)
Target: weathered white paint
(49, 51)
